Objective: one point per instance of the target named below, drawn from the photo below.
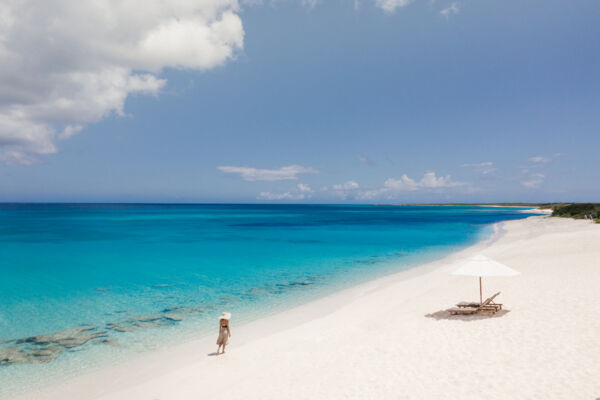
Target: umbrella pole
(480, 296)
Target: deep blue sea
(83, 285)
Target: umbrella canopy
(481, 265)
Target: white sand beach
(391, 338)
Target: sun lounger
(486, 307)
(473, 304)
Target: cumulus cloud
(393, 186)
(540, 160)
(453, 9)
(429, 181)
(343, 190)
(278, 174)
(350, 185)
(300, 192)
(304, 188)
(389, 6)
(484, 168)
(67, 64)
(280, 196)
(534, 181)
(404, 183)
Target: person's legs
(224, 348)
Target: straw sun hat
(225, 315)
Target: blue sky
(327, 101)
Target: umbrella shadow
(445, 315)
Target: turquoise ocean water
(86, 285)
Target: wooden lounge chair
(473, 304)
(485, 307)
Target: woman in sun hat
(224, 331)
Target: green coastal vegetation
(575, 210)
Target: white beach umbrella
(481, 265)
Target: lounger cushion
(462, 309)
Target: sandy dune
(390, 339)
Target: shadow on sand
(443, 314)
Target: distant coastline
(590, 211)
(520, 205)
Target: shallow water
(86, 285)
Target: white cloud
(343, 190)
(484, 168)
(479, 165)
(453, 9)
(539, 160)
(305, 188)
(67, 64)
(350, 185)
(534, 181)
(389, 6)
(280, 196)
(429, 181)
(300, 192)
(404, 183)
(393, 186)
(370, 194)
(278, 174)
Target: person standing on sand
(224, 331)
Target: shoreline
(153, 374)
(251, 326)
(253, 329)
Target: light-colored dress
(223, 338)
